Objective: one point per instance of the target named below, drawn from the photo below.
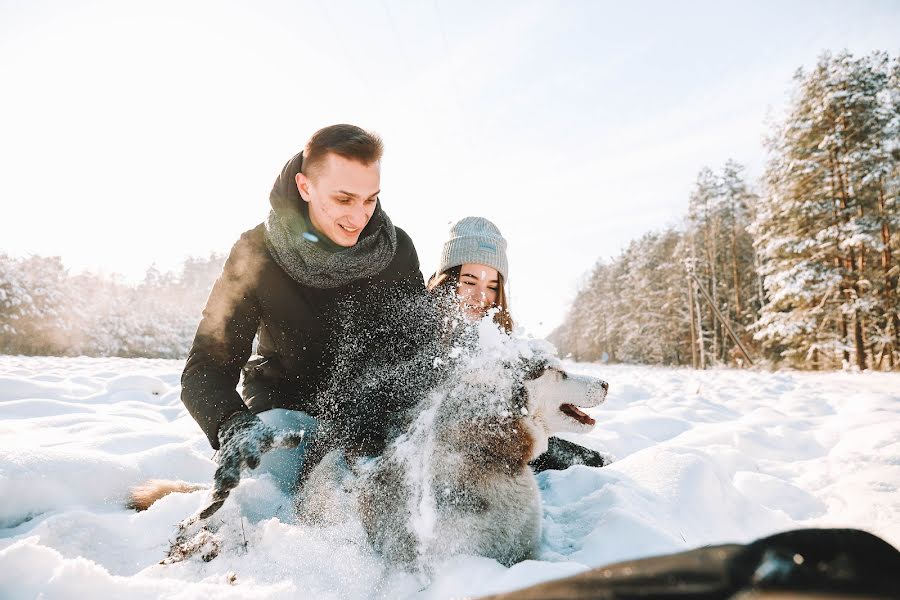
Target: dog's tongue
(572, 411)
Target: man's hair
(347, 141)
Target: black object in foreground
(562, 454)
(805, 563)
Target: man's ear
(302, 185)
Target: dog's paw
(191, 540)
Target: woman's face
(477, 289)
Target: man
(308, 281)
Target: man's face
(342, 195)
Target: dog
(458, 481)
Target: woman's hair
(449, 280)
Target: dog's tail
(142, 497)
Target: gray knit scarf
(311, 263)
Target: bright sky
(142, 132)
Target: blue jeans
(284, 465)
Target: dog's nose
(605, 386)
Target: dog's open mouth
(572, 411)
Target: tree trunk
(760, 290)
(711, 232)
(693, 324)
(850, 264)
(735, 274)
(894, 344)
(891, 326)
(860, 333)
(859, 341)
(701, 343)
(845, 353)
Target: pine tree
(818, 230)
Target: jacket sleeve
(223, 342)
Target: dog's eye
(534, 374)
(558, 373)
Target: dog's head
(555, 397)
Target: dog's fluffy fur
(458, 481)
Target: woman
(473, 265)
(474, 268)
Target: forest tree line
(44, 310)
(803, 272)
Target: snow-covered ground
(701, 458)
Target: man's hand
(243, 439)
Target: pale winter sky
(142, 132)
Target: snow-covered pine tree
(887, 172)
(738, 206)
(658, 324)
(703, 230)
(719, 251)
(817, 229)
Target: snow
(700, 458)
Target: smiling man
(325, 262)
(340, 197)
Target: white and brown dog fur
(458, 482)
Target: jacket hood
(285, 197)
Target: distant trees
(644, 306)
(719, 253)
(46, 311)
(601, 316)
(805, 273)
(33, 299)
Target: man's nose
(358, 217)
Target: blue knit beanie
(475, 240)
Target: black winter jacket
(303, 331)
